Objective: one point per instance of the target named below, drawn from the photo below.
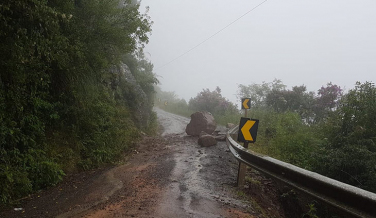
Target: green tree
(58, 108)
(326, 101)
(163, 96)
(31, 43)
(296, 100)
(258, 92)
(212, 101)
(349, 154)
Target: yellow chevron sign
(246, 103)
(247, 130)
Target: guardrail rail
(349, 199)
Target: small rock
(230, 125)
(207, 141)
(202, 133)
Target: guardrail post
(242, 167)
(242, 170)
(241, 174)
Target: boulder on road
(201, 121)
(207, 140)
(220, 137)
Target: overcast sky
(310, 42)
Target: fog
(310, 42)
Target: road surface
(165, 176)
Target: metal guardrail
(349, 199)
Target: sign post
(247, 134)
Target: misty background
(301, 42)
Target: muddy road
(201, 178)
(165, 176)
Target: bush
(348, 153)
(284, 136)
(25, 172)
(212, 102)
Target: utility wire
(211, 36)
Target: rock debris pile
(203, 124)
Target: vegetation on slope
(331, 132)
(63, 107)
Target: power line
(211, 35)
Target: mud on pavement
(165, 176)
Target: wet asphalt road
(203, 179)
(164, 176)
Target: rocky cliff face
(121, 75)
